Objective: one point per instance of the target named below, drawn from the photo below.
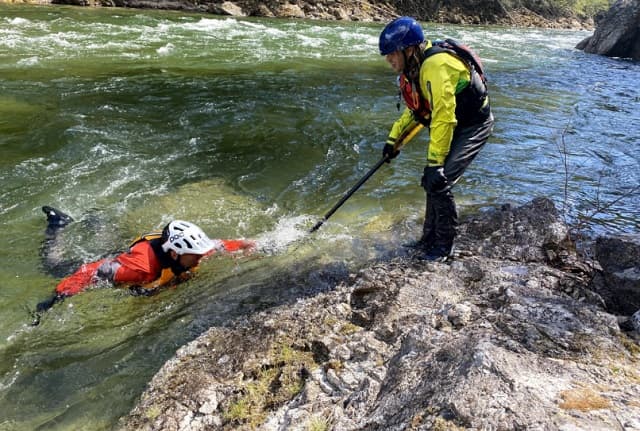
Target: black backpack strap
(437, 49)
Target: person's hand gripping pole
(391, 149)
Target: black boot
(56, 219)
(428, 229)
(50, 249)
(445, 227)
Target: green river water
(252, 128)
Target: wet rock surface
(510, 335)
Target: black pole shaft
(349, 193)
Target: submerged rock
(510, 335)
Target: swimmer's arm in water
(246, 246)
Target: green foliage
(275, 381)
(584, 8)
(153, 412)
(591, 7)
(239, 411)
(429, 9)
(587, 8)
(349, 328)
(319, 423)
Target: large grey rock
(618, 33)
(619, 282)
(488, 342)
(226, 8)
(635, 321)
(527, 233)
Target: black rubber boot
(49, 251)
(444, 228)
(428, 229)
(56, 219)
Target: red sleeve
(235, 244)
(79, 280)
(126, 275)
(138, 265)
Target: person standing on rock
(444, 89)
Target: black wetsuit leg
(56, 221)
(52, 262)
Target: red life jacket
(150, 267)
(148, 261)
(414, 99)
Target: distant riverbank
(455, 12)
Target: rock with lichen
(510, 335)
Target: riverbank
(514, 334)
(520, 14)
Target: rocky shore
(520, 13)
(518, 332)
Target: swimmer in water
(150, 262)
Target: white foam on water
(19, 21)
(287, 231)
(272, 209)
(4, 210)
(158, 189)
(126, 177)
(210, 25)
(311, 41)
(271, 32)
(31, 61)
(8, 40)
(99, 46)
(360, 41)
(165, 50)
(9, 380)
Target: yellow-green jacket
(442, 77)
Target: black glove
(389, 152)
(433, 179)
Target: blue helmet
(399, 34)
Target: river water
(251, 128)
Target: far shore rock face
(518, 13)
(510, 335)
(617, 34)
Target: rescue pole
(397, 146)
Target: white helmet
(186, 238)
